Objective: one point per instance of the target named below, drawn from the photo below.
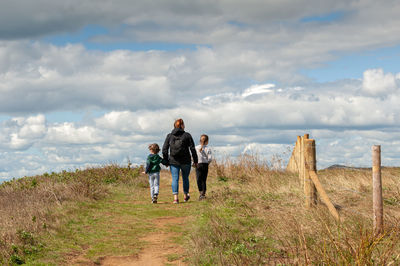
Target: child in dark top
(205, 157)
(153, 170)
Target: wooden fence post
(297, 157)
(310, 165)
(324, 195)
(303, 160)
(302, 167)
(293, 164)
(377, 189)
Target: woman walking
(177, 148)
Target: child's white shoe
(154, 200)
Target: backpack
(177, 147)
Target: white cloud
(26, 19)
(249, 44)
(68, 133)
(376, 83)
(68, 78)
(344, 124)
(231, 45)
(34, 127)
(21, 133)
(258, 89)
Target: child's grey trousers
(154, 180)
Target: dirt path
(127, 229)
(159, 249)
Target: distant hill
(340, 166)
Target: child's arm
(162, 161)
(209, 155)
(148, 164)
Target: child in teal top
(153, 170)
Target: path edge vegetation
(34, 208)
(253, 215)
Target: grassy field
(252, 216)
(258, 217)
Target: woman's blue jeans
(175, 169)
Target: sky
(92, 82)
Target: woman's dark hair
(154, 148)
(179, 123)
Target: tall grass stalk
(28, 205)
(255, 215)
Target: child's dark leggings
(201, 175)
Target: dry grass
(253, 215)
(28, 205)
(256, 216)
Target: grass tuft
(256, 217)
(28, 205)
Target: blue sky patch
(326, 18)
(134, 46)
(237, 24)
(81, 36)
(86, 37)
(4, 117)
(353, 65)
(70, 116)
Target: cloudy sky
(91, 82)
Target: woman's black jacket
(176, 148)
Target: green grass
(258, 217)
(113, 226)
(253, 216)
(173, 257)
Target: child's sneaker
(154, 200)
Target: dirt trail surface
(157, 250)
(142, 233)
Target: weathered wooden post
(377, 189)
(293, 164)
(302, 168)
(310, 165)
(303, 160)
(297, 157)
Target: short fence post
(377, 189)
(310, 165)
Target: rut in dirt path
(158, 249)
(149, 234)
